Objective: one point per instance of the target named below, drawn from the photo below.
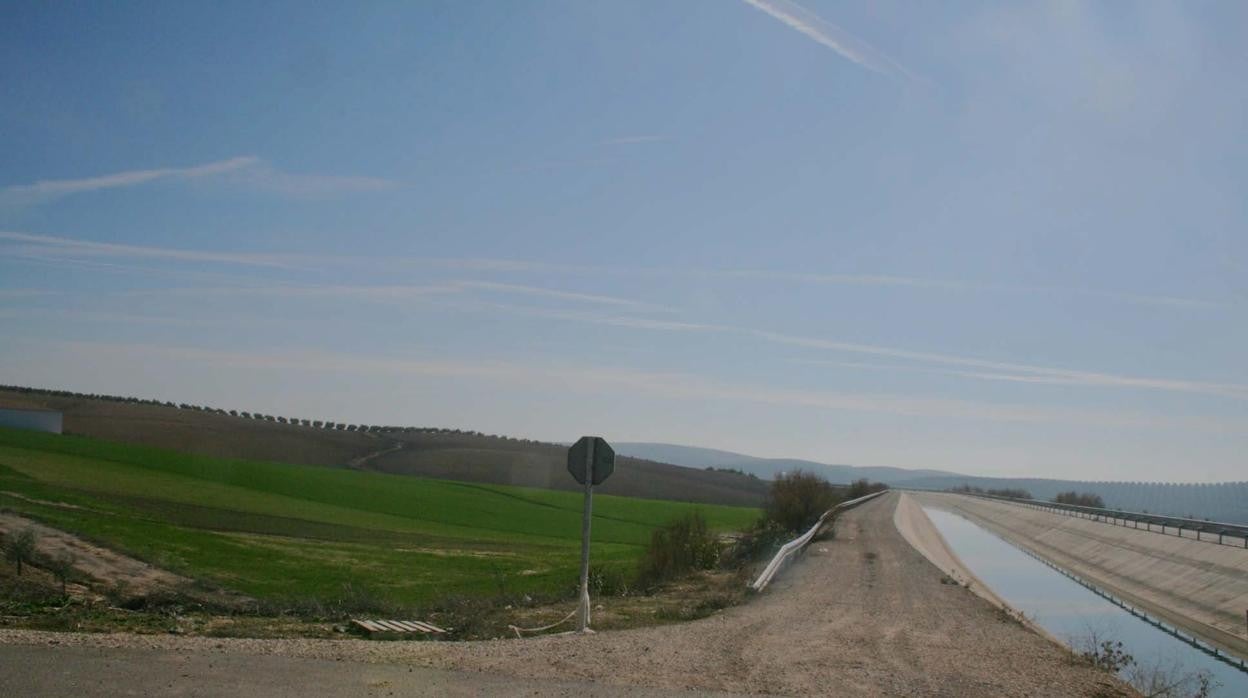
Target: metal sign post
(591, 460)
(586, 517)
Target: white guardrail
(794, 546)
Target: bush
(62, 566)
(797, 500)
(680, 547)
(608, 581)
(20, 548)
(1007, 492)
(864, 487)
(1086, 499)
(762, 539)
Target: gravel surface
(861, 614)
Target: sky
(998, 238)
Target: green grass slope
(462, 456)
(277, 530)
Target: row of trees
(277, 419)
(298, 421)
(20, 548)
(863, 487)
(797, 499)
(1217, 501)
(733, 471)
(1007, 492)
(1082, 499)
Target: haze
(1001, 240)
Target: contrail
(831, 36)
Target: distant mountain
(767, 468)
(1224, 501)
(1217, 501)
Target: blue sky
(1003, 239)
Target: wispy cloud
(52, 246)
(595, 318)
(25, 293)
(988, 369)
(1023, 373)
(249, 171)
(832, 279)
(47, 190)
(824, 32)
(265, 177)
(561, 294)
(624, 310)
(633, 140)
(390, 292)
(407, 292)
(104, 317)
(613, 380)
(48, 248)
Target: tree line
(259, 416)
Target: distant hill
(649, 470)
(1227, 502)
(767, 468)
(422, 452)
(1222, 501)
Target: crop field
(278, 531)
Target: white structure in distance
(32, 419)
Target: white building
(32, 419)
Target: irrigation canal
(1075, 613)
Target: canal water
(1075, 614)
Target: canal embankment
(1198, 586)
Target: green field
(278, 531)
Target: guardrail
(1134, 518)
(794, 546)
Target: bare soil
(105, 569)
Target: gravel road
(861, 614)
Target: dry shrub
(797, 500)
(680, 547)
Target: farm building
(32, 419)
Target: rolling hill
(281, 531)
(422, 452)
(1225, 501)
(768, 468)
(646, 470)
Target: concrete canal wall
(1199, 586)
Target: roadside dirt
(106, 569)
(862, 613)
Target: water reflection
(1071, 612)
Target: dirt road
(861, 614)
